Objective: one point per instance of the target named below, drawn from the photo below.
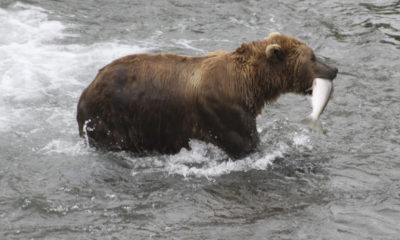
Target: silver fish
(321, 92)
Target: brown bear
(155, 103)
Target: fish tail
(313, 123)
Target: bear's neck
(259, 84)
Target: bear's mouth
(308, 91)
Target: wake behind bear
(157, 103)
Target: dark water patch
(385, 9)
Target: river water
(301, 185)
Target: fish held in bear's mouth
(321, 92)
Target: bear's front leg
(229, 127)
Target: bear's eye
(313, 58)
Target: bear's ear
(273, 52)
(242, 49)
(273, 34)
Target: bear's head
(296, 64)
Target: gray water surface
(300, 185)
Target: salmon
(321, 92)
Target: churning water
(301, 185)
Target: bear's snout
(323, 70)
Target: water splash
(203, 160)
(60, 146)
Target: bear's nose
(335, 70)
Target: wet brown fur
(146, 102)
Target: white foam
(24, 23)
(302, 141)
(40, 78)
(24, 28)
(32, 63)
(61, 146)
(203, 160)
(211, 162)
